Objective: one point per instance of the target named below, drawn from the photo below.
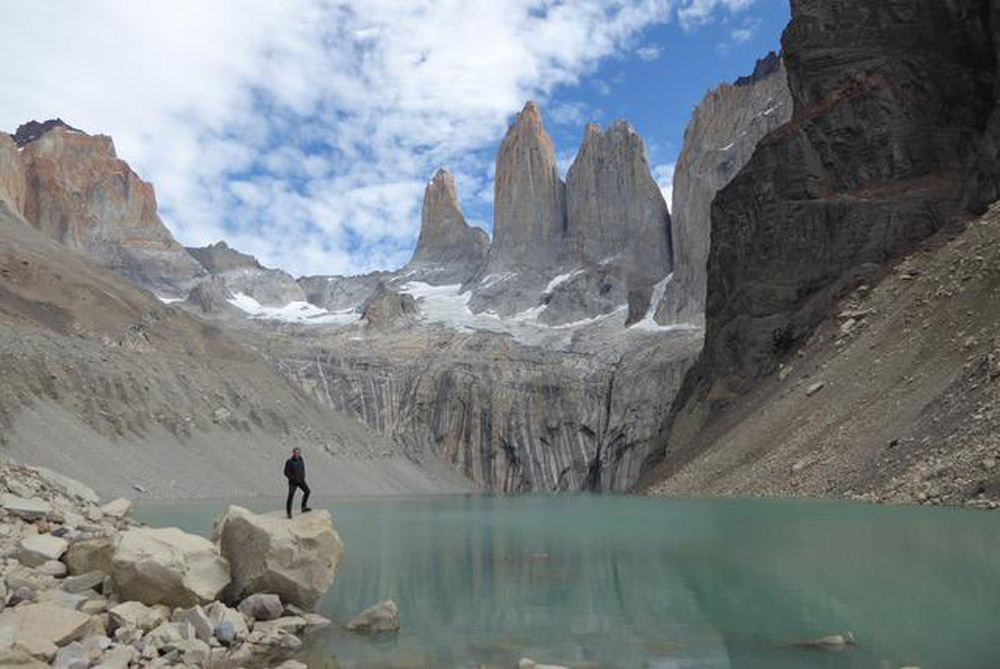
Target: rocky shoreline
(83, 585)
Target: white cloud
(664, 177)
(648, 53)
(304, 131)
(695, 13)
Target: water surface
(631, 582)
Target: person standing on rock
(295, 472)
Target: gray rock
(262, 606)
(448, 250)
(71, 488)
(722, 134)
(25, 508)
(387, 307)
(52, 568)
(529, 204)
(616, 210)
(225, 632)
(118, 509)
(242, 273)
(380, 618)
(93, 580)
(199, 620)
(36, 549)
(72, 656)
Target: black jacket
(295, 469)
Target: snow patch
(494, 279)
(561, 279)
(168, 300)
(294, 312)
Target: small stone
(199, 620)
(72, 656)
(53, 568)
(138, 488)
(989, 463)
(815, 388)
(262, 606)
(138, 615)
(225, 632)
(92, 580)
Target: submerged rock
(168, 566)
(294, 559)
(380, 618)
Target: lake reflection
(633, 582)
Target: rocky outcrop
(88, 620)
(242, 273)
(721, 136)
(337, 293)
(167, 566)
(32, 130)
(211, 296)
(81, 194)
(529, 202)
(13, 186)
(295, 559)
(890, 105)
(387, 308)
(615, 211)
(449, 250)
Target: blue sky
(304, 131)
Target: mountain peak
(32, 130)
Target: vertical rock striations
(80, 193)
(529, 205)
(13, 185)
(616, 212)
(720, 138)
(448, 250)
(891, 102)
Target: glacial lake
(621, 582)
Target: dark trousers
(292, 485)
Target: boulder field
(83, 585)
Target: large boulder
(167, 566)
(89, 555)
(39, 628)
(37, 549)
(294, 559)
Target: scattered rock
(40, 627)
(89, 555)
(295, 559)
(40, 548)
(53, 568)
(119, 508)
(25, 508)
(229, 624)
(380, 618)
(262, 606)
(199, 620)
(69, 487)
(167, 566)
(815, 388)
(93, 580)
(137, 615)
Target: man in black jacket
(295, 472)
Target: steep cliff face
(13, 185)
(891, 101)
(529, 203)
(721, 136)
(615, 211)
(510, 417)
(80, 193)
(242, 273)
(449, 250)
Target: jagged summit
(616, 210)
(220, 257)
(448, 250)
(32, 130)
(529, 209)
(764, 68)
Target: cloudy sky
(304, 131)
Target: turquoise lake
(625, 582)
